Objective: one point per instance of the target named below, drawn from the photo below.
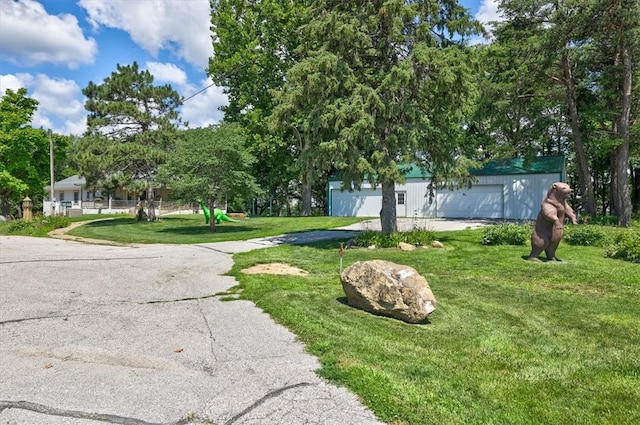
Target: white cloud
(176, 25)
(488, 13)
(60, 101)
(37, 37)
(202, 109)
(167, 72)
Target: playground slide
(218, 215)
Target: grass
(189, 229)
(511, 341)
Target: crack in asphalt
(265, 398)
(124, 420)
(60, 260)
(204, 297)
(47, 410)
(211, 337)
(28, 319)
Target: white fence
(114, 207)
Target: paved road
(137, 335)
(93, 334)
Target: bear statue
(548, 229)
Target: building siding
(521, 196)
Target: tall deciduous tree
(210, 164)
(134, 123)
(383, 82)
(618, 37)
(547, 36)
(255, 43)
(24, 150)
(591, 49)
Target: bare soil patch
(275, 268)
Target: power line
(197, 93)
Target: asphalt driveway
(136, 335)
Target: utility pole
(51, 190)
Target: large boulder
(388, 289)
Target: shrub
(602, 220)
(506, 234)
(586, 236)
(40, 226)
(55, 222)
(626, 246)
(381, 240)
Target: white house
(71, 197)
(508, 189)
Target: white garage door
(482, 201)
(365, 203)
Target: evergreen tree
(130, 129)
(382, 83)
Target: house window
(76, 196)
(61, 196)
(401, 196)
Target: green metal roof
(537, 165)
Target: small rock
(371, 247)
(437, 244)
(406, 246)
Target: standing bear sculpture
(549, 227)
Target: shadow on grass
(541, 260)
(204, 230)
(345, 301)
(112, 222)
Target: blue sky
(55, 47)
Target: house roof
(536, 165)
(73, 182)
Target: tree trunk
(621, 195)
(636, 188)
(212, 219)
(306, 193)
(307, 177)
(584, 173)
(388, 211)
(4, 205)
(151, 204)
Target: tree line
(323, 87)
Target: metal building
(508, 189)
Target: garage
(509, 189)
(364, 203)
(484, 201)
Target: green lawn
(511, 341)
(189, 229)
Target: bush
(506, 234)
(55, 222)
(586, 236)
(602, 220)
(626, 246)
(40, 226)
(381, 240)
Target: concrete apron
(136, 335)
